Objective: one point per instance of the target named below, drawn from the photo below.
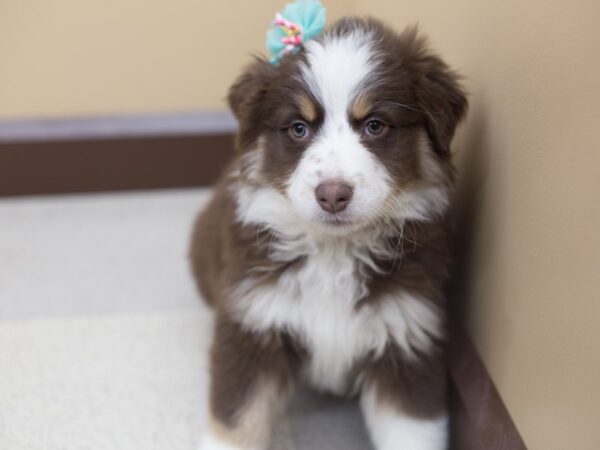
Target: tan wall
(69, 57)
(529, 152)
(533, 71)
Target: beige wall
(529, 153)
(69, 57)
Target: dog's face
(352, 131)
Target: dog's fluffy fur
(348, 300)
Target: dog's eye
(374, 127)
(298, 130)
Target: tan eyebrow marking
(361, 106)
(307, 108)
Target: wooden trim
(480, 420)
(53, 167)
(53, 156)
(116, 127)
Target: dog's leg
(250, 426)
(405, 406)
(250, 380)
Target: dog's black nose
(334, 196)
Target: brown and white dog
(323, 250)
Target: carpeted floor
(103, 339)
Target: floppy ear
(246, 96)
(442, 99)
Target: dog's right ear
(247, 93)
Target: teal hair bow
(298, 23)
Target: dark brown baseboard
(69, 166)
(480, 420)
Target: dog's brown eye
(298, 130)
(374, 127)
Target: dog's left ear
(442, 99)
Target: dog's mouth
(336, 221)
(339, 222)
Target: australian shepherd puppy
(323, 250)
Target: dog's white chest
(326, 319)
(316, 304)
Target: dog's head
(352, 131)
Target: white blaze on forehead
(336, 70)
(336, 67)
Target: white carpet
(103, 338)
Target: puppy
(323, 250)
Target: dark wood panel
(52, 167)
(480, 418)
